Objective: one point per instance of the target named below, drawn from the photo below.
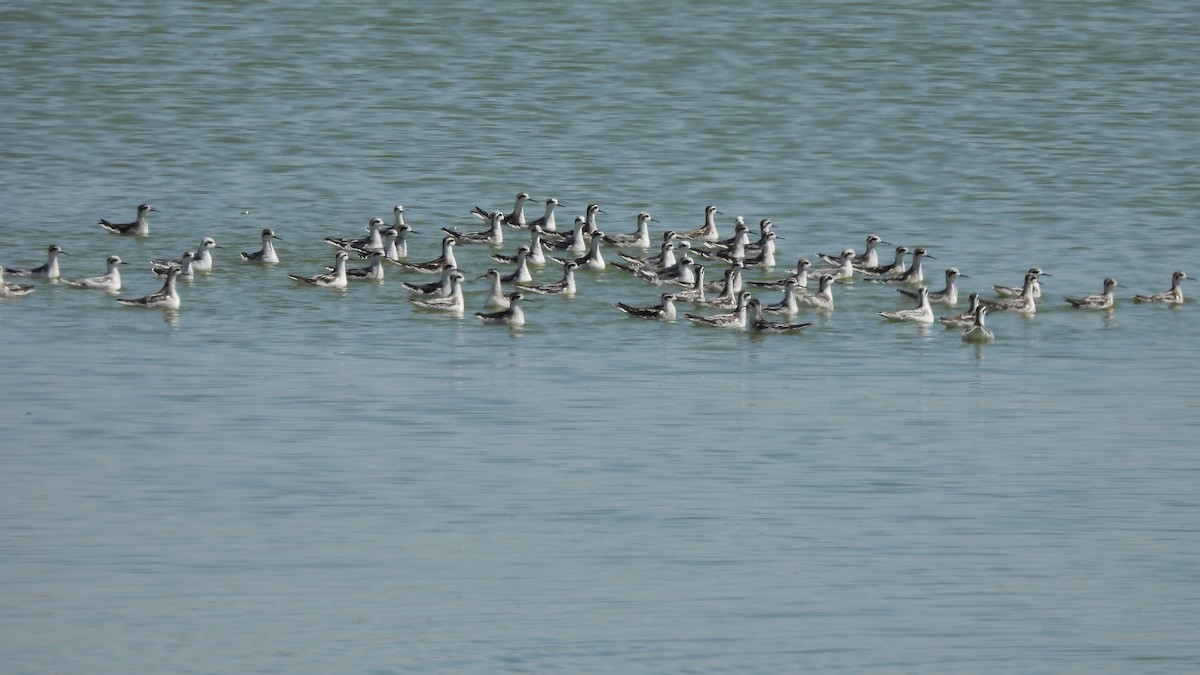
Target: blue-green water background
(285, 479)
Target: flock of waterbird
(679, 267)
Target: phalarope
(967, 318)
(740, 238)
(1102, 301)
(497, 298)
(513, 315)
(537, 251)
(1174, 296)
(372, 272)
(765, 226)
(334, 279)
(682, 273)
(736, 251)
(202, 260)
(593, 260)
(665, 310)
(978, 332)
(731, 283)
(844, 270)
(435, 266)
(1012, 291)
(47, 271)
(755, 323)
(575, 242)
(865, 262)
(640, 238)
(946, 296)
(494, 235)
(266, 254)
(894, 269)
(166, 298)
(564, 286)
(913, 275)
(9, 289)
(799, 277)
(766, 255)
(394, 247)
(373, 240)
(139, 227)
(823, 298)
(788, 304)
(437, 289)
(546, 222)
(1023, 303)
(515, 219)
(589, 218)
(734, 319)
(922, 313)
(707, 231)
(728, 297)
(186, 266)
(451, 303)
(521, 274)
(694, 293)
(665, 258)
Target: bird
(373, 240)
(166, 298)
(565, 286)
(9, 289)
(1174, 296)
(731, 283)
(202, 260)
(946, 296)
(707, 231)
(434, 266)
(912, 276)
(575, 242)
(513, 315)
(47, 271)
(494, 235)
(788, 304)
(894, 269)
(665, 258)
(664, 311)
(734, 319)
(766, 255)
(728, 297)
(1102, 301)
(1011, 291)
(694, 293)
(546, 222)
(334, 279)
(593, 260)
(185, 265)
(765, 226)
(140, 227)
(515, 219)
(536, 255)
(267, 253)
(799, 277)
(868, 260)
(922, 313)
(844, 271)
(978, 332)
(439, 288)
(521, 274)
(450, 303)
(640, 238)
(372, 272)
(497, 298)
(967, 318)
(823, 298)
(1023, 303)
(755, 323)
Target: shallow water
(279, 478)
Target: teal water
(287, 479)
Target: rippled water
(279, 478)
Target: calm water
(287, 479)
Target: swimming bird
(593, 260)
(515, 219)
(451, 303)
(47, 271)
(728, 297)
(1102, 301)
(640, 238)
(185, 265)
(707, 231)
(967, 318)
(521, 274)
(266, 254)
(894, 269)
(514, 315)
(575, 242)
(537, 251)
(732, 282)
(799, 277)
(913, 275)
(665, 258)
(665, 310)
(497, 298)
(755, 323)
(434, 266)
(734, 319)
(1023, 303)
(736, 250)
(140, 227)
(694, 293)
(922, 313)
(372, 272)
(868, 260)
(372, 241)
(494, 235)
(1174, 296)
(439, 288)
(822, 299)
(565, 286)
(202, 260)
(788, 304)
(946, 296)
(1011, 291)
(978, 332)
(166, 298)
(740, 239)
(765, 226)
(546, 222)
(589, 218)
(395, 244)
(334, 279)
(844, 271)
(766, 254)
(9, 289)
